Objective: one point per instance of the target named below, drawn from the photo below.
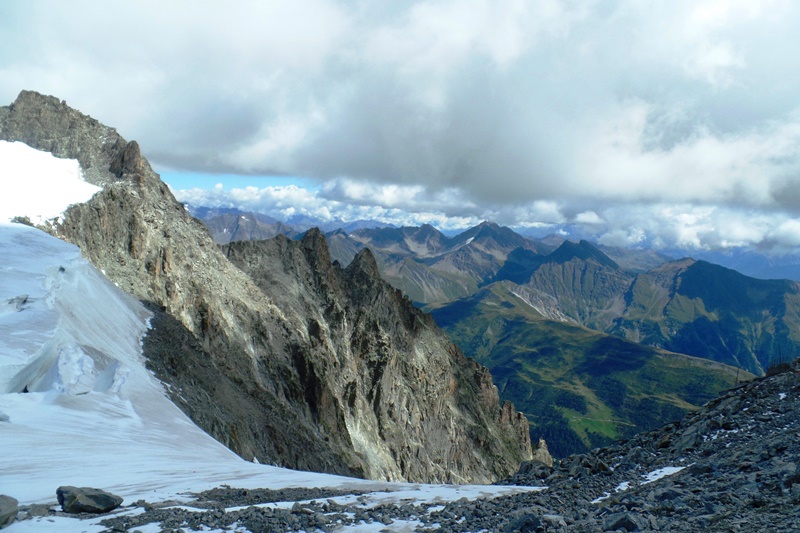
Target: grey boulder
(86, 500)
(8, 510)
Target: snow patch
(650, 477)
(655, 475)
(39, 185)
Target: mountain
(242, 366)
(707, 310)
(363, 329)
(580, 388)
(431, 267)
(245, 227)
(522, 263)
(587, 287)
(751, 263)
(685, 306)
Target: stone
(8, 510)
(553, 520)
(86, 500)
(626, 521)
(524, 523)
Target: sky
(660, 123)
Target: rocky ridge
(238, 359)
(360, 328)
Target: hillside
(579, 388)
(684, 306)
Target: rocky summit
(285, 358)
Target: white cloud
(286, 201)
(786, 236)
(714, 63)
(588, 217)
(533, 113)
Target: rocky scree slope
(241, 365)
(734, 465)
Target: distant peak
(583, 250)
(364, 263)
(427, 229)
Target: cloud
(533, 113)
(284, 202)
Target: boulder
(8, 510)
(86, 500)
(626, 521)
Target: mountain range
(580, 388)
(561, 324)
(686, 306)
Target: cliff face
(379, 370)
(290, 360)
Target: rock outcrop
(377, 370)
(303, 369)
